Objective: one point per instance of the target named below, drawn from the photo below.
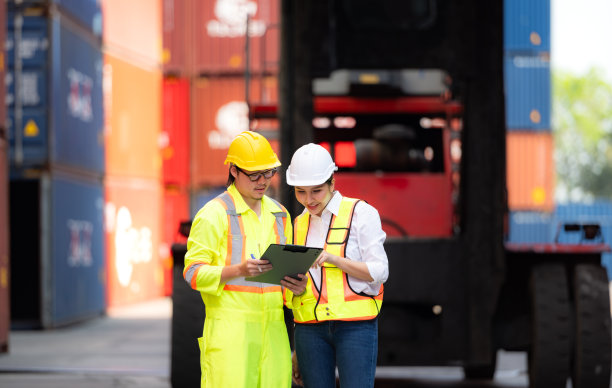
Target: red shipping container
(132, 100)
(176, 210)
(133, 216)
(216, 33)
(133, 29)
(219, 113)
(174, 139)
(530, 171)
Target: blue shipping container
(528, 92)
(77, 245)
(527, 25)
(201, 197)
(66, 129)
(86, 13)
(530, 227)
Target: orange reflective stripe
(251, 289)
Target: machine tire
(549, 353)
(591, 358)
(481, 372)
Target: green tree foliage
(582, 122)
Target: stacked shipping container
(530, 166)
(55, 131)
(134, 195)
(206, 68)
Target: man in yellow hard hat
(245, 342)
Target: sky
(581, 31)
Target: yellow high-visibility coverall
(245, 342)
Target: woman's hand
(326, 257)
(294, 285)
(296, 376)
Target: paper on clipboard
(286, 260)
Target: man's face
(252, 185)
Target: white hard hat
(311, 165)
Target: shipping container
(529, 227)
(216, 32)
(530, 171)
(174, 138)
(219, 113)
(4, 189)
(87, 13)
(528, 91)
(56, 60)
(133, 216)
(200, 197)
(132, 30)
(132, 100)
(527, 25)
(57, 249)
(175, 211)
(598, 212)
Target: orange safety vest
(336, 300)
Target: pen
(253, 257)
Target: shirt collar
(242, 207)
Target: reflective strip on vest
(236, 246)
(336, 300)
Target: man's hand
(294, 285)
(254, 267)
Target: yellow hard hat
(252, 152)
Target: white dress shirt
(365, 243)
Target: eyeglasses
(254, 177)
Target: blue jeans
(351, 346)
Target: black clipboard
(286, 260)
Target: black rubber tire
(481, 372)
(549, 354)
(591, 358)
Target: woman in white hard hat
(336, 316)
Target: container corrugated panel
(221, 30)
(4, 222)
(219, 113)
(77, 241)
(202, 196)
(133, 216)
(133, 119)
(174, 139)
(132, 29)
(87, 13)
(531, 227)
(72, 73)
(28, 145)
(178, 36)
(530, 171)
(528, 92)
(599, 212)
(176, 210)
(527, 25)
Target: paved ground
(129, 347)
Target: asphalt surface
(129, 347)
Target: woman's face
(315, 198)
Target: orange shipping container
(219, 113)
(176, 210)
(133, 29)
(132, 101)
(530, 171)
(133, 216)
